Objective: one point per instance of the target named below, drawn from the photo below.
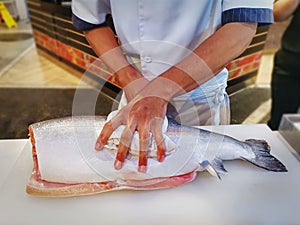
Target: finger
(160, 144)
(156, 130)
(106, 132)
(144, 147)
(123, 148)
(161, 148)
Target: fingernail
(161, 158)
(98, 146)
(142, 169)
(118, 165)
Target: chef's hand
(130, 80)
(142, 114)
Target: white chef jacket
(162, 32)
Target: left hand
(142, 114)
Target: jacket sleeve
(257, 11)
(90, 14)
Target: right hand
(145, 115)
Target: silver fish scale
(83, 127)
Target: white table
(246, 195)
(9, 152)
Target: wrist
(125, 76)
(162, 88)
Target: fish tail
(263, 158)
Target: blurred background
(43, 59)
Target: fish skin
(254, 151)
(194, 147)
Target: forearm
(105, 45)
(207, 60)
(283, 9)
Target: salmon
(66, 163)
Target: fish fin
(209, 167)
(219, 166)
(263, 158)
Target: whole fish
(66, 164)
